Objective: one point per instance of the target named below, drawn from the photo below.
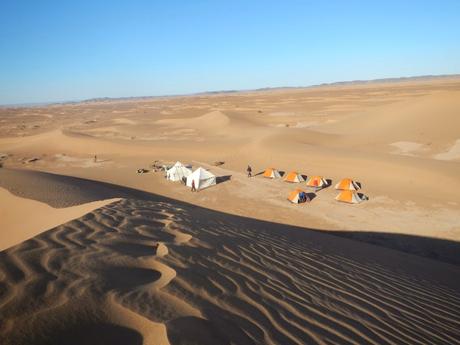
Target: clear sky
(71, 50)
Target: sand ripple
(139, 271)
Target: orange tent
(298, 196)
(294, 177)
(317, 182)
(350, 197)
(271, 173)
(347, 184)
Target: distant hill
(217, 92)
(391, 80)
(339, 83)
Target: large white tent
(177, 172)
(203, 179)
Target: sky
(72, 50)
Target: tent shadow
(222, 179)
(311, 196)
(359, 184)
(282, 173)
(363, 196)
(304, 177)
(329, 183)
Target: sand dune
(232, 280)
(24, 218)
(209, 121)
(157, 271)
(236, 263)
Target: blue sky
(71, 50)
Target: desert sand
(95, 253)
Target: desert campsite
(229, 173)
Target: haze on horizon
(54, 51)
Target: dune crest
(25, 218)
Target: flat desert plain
(94, 253)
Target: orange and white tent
(297, 196)
(294, 177)
(347, 184)
(350, 197)
(317, 182)
(271, 173)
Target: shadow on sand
(93, 334)
(83, 190)
(222, 179)
(311, 196)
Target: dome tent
(294, 177)
(271, 173)
(317, 182)
(350, 197)
(347, 184)
(298, 196)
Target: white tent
(177, 172)
(203, 179)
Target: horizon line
(223, 91)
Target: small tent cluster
(347, 187)
(202, 178)
(348, 193)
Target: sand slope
(22, 218)
(156, 271)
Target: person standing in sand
(193, 186)
(95, 158)
(249, 171)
